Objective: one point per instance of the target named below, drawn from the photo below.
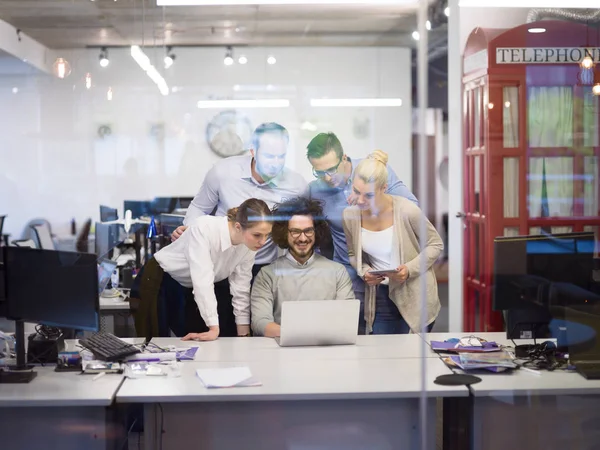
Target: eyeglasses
(331, 172)
(296, 233)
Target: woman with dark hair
(179, 280)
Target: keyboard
(108, 347)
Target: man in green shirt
(301, 274)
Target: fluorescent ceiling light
(528, 4)
(348, 102)
(284, 2)
(255, 103)
(144, 62)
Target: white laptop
(319, 322)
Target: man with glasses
(301, 274)
(333, 171)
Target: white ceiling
(85, 23)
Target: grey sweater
(286, 280)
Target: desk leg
(151, 426)
(457, 419)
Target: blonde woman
(382, 232)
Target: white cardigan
(406, 296)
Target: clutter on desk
(143, 369)
(494, 362)
(68, 362)
(465, 345)
(95, 367)
(227, 377)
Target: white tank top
(378, 245)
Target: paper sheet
(227, 377)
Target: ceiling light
(242, 59)
(537, 30)
(415, 35)
(256, 103)
(428, 25)
(61, 68)
(271, 60)
(15, 90)
(596, 89)
(104, 57)
(169, 58)
(144, 62)
(88, 80)
(356, 102)
(284, 2)
(447, 11)
(109, 94)
(527, 4)
(228, 60)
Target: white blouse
(378, 245)
(203, 255)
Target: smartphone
(383, 272)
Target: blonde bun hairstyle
(373, 169)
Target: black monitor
(184, 202)
(51, 288)
(167, 224)
(106, 239)
(107, 213)
(536, 277)
(163, 205)
(138, 208)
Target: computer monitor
(106, 267)
(184, 202)
(106, 239)
(48, 287)
(138, 208)
(53, 288)
(107, 213)
(536, 277)
(163, 205)
(167, 224)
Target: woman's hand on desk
(243, 330)
(177, 233)
(210, 335)
(401, 274)
(373, 280)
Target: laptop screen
(105, 270)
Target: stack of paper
(485, 347)
(228, 377)
(494, 362)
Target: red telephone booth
(531, 144)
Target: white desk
(266, 349)
(553, 410)
(59, 410)
(366, 396)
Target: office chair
(3, 237)
(82, 243)
(43, 237)
(30, 243)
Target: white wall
(54, 165)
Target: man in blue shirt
(333, 171)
